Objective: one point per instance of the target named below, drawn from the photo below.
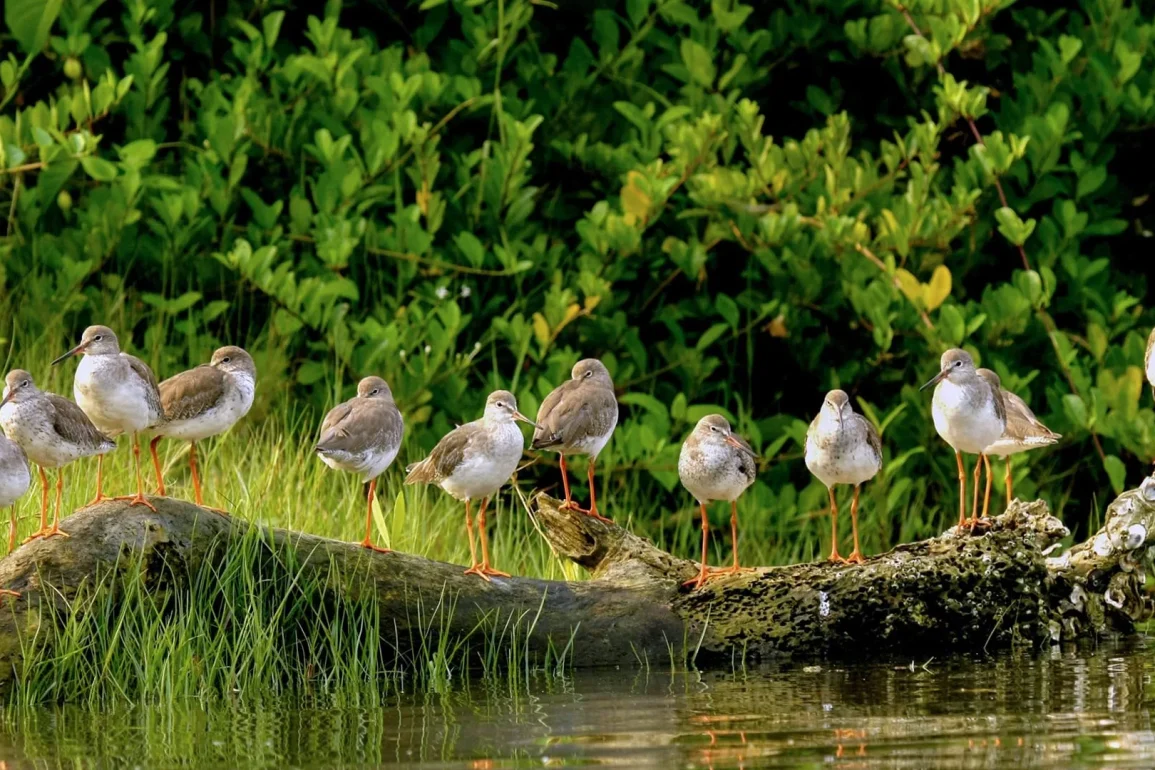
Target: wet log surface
(958, 592)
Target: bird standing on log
(970, 415)
(119, 394)
(716, 464)
(363, 435)
(203, 402)
(842, 447)
(578, 418)
(1023, 431)
(474, 461)
(15, 478)
(52, 431)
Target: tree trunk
(959, 591)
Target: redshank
(1024, 431)
(716, 464)
(203, 402)
(842, 447)
(52, 431)
(1149, 360)
(119, 394)
(14, 480)
(578, 418)
(472, 462)
(363, 435)
(969, 414)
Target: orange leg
(56, 530)
(368, 541)
(156, 465)
(834, 555)
(734, 569)
(469, 533)
(9, 592)
(569, 504)
(975, 496)
(1007, 479)
(43, 508)
(138, 498)
(12, 530)
(855, 556)
(484, 570)
(987, 496)
(703, 571)
(99, 482)
(196, 480)
(962, 489)
(593, 511)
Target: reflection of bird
(1023, 431)
(203, 402)
(842, 447)
(716, 464)
(577, 418)
(119, 394)
(473, 461)
(363, 435)
(52, 431)
(969, 414)
(14, 480)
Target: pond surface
(1090, 708)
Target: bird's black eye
(26, 383)
(375, 391)
(713, 429)
(225, 360)
(957, 364)
(590, 373)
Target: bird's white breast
(710, 472)
(112, 395)
(968, 423)
(28, 425)
(836, 453)
(486, 467)
(14, 477)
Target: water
(1090, 708)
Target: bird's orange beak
(76, 350)
(738, 444)
(519, 416)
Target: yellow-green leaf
(909, 284)
(635, 202)
(541, 329)
(939, 287)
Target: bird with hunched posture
(842, 447)
(52, 431)
(577, 418)
(119, 394)
(363, 436)
(15, 478)
(1024, 431)
(204, 402)
(970, 415)
(472, 462)
(716, 464)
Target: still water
(1090, 708)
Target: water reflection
(1063, 709)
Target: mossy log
(960, 591)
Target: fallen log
(960, 591)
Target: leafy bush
(737, 207)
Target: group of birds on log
(118, 393)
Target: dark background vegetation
(737, 207)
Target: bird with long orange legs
(1024, 431)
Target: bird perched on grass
(203, 402)
(716, 464)
(363, 436)
(842, 447)
(52, 431)
(119, 394)
(578, 418)
(970, 415)
(472, 462)
(1023, 431)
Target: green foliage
(736, 207)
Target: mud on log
(959, 591)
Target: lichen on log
(960, 591)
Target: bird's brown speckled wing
(72, 424)
(544, 434)
(192, 393)
(361, 424)
(445, 457)
(872, 436)
(584, 413)
(1022, 423)
(145, 373)
(748, 460)
(992, 379)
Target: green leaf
(30, 21)
(1116, 472)
(1076, 409)
(728, 309)
(710, 336)
(698, 61)
(98, 168)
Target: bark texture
(959, 591)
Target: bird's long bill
(935, 379)
(519, 416)
(78, 349)
(738, 445)
(7, 396)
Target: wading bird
(1024, 431)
